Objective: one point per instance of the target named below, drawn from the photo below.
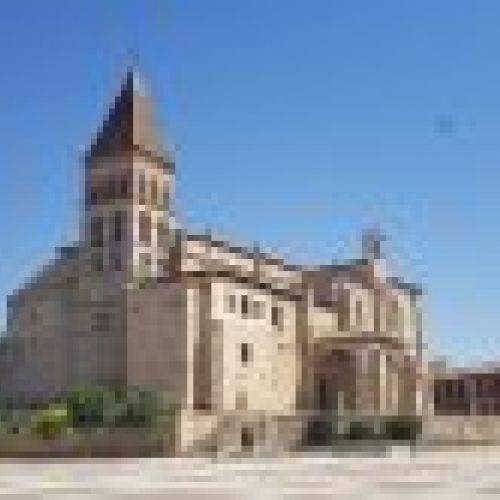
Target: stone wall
(459, 429)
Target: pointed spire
(129, 125)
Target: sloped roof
(130, 124)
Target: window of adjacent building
(244, 353)
(144, 227)
(449, 389)
(118, 223)
(97, 231)
(481, 387)
(461, 388)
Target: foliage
(97, 406)
(51, 422)
(137, 408)
(91, 406)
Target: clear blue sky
(297, 123)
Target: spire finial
(133, 60)
(371, 242)
(134, 79)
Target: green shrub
(138, 408)
(97, 406)
(51, 422)
(91, 407)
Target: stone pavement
(438, 474)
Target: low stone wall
(113, 443)
(462, 430)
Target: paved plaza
(400, 474)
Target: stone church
(249, 348)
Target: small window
(164, 266)
(142, 188)
(244, 305)
(144, 227)
(166, 201)
(277, 317)
(164, 234)
(247, 438)
(124, 190)
(145, 263)
(322, 394)
(461, 388)
(258, 309)
(393, 316)
(100, 322)
(116, 262)
(94, 196)
(34, 314)
(359, 313)
(231, 302)
(482, 387)
(118, 221)
(97, 231)
(449, 388)
(154, 191)
(111, 189)
(241, 402)
(97, 264)
(244, 353)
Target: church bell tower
(128, 224)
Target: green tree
(91, 406)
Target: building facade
(251, 349)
